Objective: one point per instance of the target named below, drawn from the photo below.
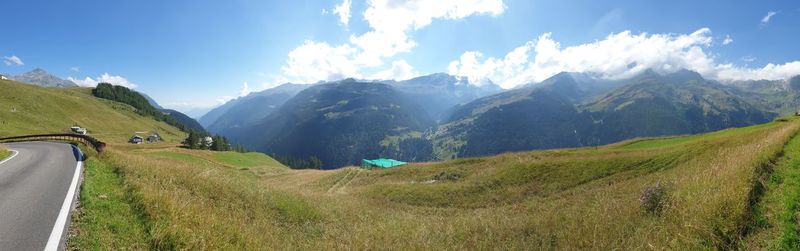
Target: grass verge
(105, 219)
(4, 152)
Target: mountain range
(440, 116)
(340, 123)
(374, 118)
(250, 109)
(571, 110)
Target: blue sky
(191, 55)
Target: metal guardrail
(86, 140)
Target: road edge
(58, 240)
(10, 157)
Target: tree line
(298, 163)
(143, 107)
(206, 141)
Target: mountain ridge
(570, 109)
(43, 78)
(340, 123)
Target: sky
(194, 55)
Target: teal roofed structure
(381, 163)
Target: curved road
(34, 185)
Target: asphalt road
(33, 188)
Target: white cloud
(87, 82)
(727, 40)
(390, 21)
(13, 59)
(400, 70)
(765, 20)
(391, 15)
(343, 10)
(748, 58)
(314, 61)
(770, 71)
(617, 56)
(105, 78)
(245, 90)
(75, 68)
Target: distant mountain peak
(41, 77)
(38, 71)
(684, 75)
(687, 72)
(435, 78)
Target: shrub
(653, 198)
(447, 176)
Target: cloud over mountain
(105, 78)
(389, 23)
(619, 55)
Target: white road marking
(10, 157)
(61, 221)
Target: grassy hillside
(572, 110)
(709, 191)
(29, 109)
(115, 213)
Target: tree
(136, 100)
(315, 163)
(193, 141)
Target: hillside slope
(678, 103)
(28, 109)
(251, 109)
(781, 96)
(342, 123)
(438, 93)
(185, 120)
(699, 192)
(569, 111)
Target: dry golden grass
(560, 199)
